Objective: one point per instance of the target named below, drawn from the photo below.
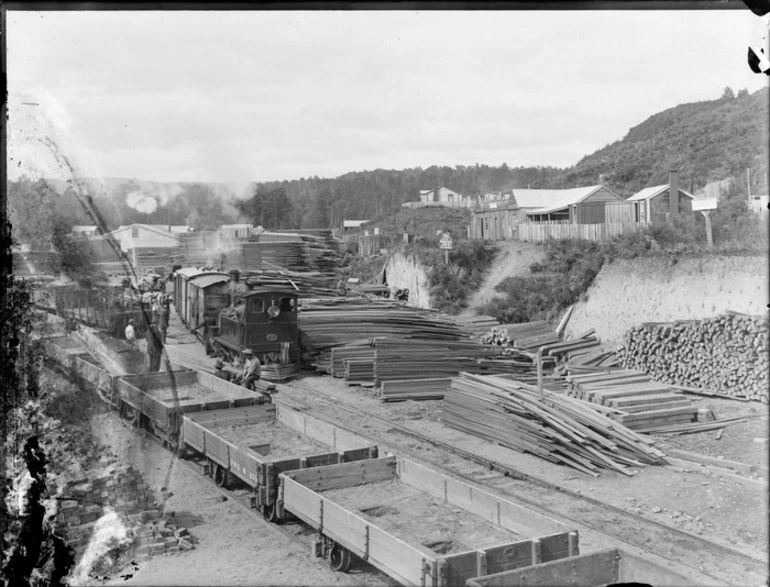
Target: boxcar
(208, 294)
(182, 291)
(417, 525)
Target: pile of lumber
(398, 390)
(530, 335)
(634, 399)
(198, 248)
(480, 324)
(326, 323)
(725, 355)
(398, 359)
(555, 427)
(308, 284)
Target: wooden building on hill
(505, 217)
(655, 203)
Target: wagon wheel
(339, 558)
(270, 513)
(221, 476)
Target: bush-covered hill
(705, 141)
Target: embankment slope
(659, 289)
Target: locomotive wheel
(221, 476)
(339, 558)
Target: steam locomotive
(229, 317)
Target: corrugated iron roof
(209, 279)
(651, 192)
(540, 198)
(190, 272)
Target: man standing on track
(154, 346)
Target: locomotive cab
(263, 319)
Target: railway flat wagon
(159, 401)
(596, 569)
(256, 444)
(64, 350)
(417, 525)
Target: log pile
(634, 399)
(725, 355)
(557, 428)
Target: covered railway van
(188, 299)
(207, 295)
(263, 319)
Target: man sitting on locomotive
(221, 372)
(252, 369)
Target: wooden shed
(654, 203)
(494, 219)
(586, 205)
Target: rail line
(714, 560)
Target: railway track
(708, 559)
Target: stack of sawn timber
(529, 336)
(555, 427)
(401, 359)
(309, 284)
(414, 389)
(326, 323)
(638, 402)
(725, 355)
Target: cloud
(278, 95)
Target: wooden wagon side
(260, 472)
(340, 529)
(595, 569)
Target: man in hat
(154, 346)
(252, 369)
(221, 372)
(130, 333)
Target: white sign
(704, 204)
(446, 241)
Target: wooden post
(709, 237)
(446, 257)
(540, 371)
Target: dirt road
(513, 260)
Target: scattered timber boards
(596, 569)
(313, 495)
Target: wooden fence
(537, 232)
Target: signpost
(705, 206)
(445, 243)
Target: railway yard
(305, 478)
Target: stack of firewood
(726, 355)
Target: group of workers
(159, 316)
(252, 370)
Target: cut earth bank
(628, 292)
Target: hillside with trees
(706, 141)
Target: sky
(262, 96)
